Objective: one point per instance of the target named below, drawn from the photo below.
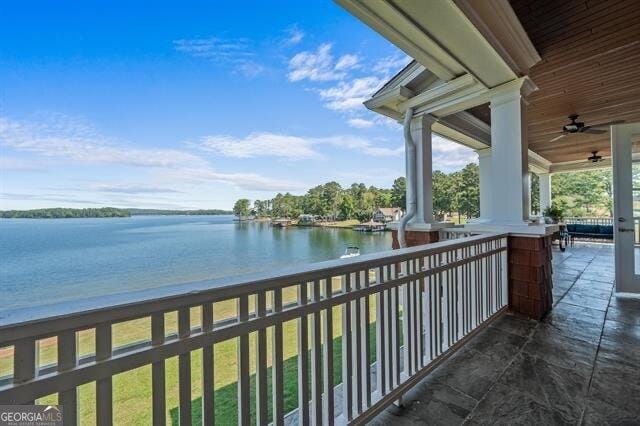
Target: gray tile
(585, 314)
(594, 292)
(560, 389)
(611, 384)
(557, 349)
(506, 406)
(617, 352)
(573, 327)
(497, 344)
(515, 324)
(432, 402)
(598, 413)
(586, 301)
(469, 371)
(624, 314)
(620, 332)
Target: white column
(421, 134)
(484, 164)
(545, 191)
(509, 161)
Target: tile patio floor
(581, 365)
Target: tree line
(453, 192)
(587, 193)
(68, 213)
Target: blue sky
(191, 104)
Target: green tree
(347, 207)
(443, 194)
(241, 208)
(399, 193)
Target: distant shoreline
(104, 212)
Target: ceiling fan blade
(558, 137)
(609, 123)
(592, 131)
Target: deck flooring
(581, 365)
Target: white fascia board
(392, 97)
(538, 164)
(581, 165)
(395, 26)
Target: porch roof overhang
(463, 49)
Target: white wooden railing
(421, 303)
(589, 220)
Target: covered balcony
(482, 324)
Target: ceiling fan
(595, 158)
(579, 127)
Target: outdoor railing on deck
(589, 220)
(397, 315)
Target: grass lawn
(132, 390)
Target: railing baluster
(244, 391)
(184, 368)
(396, 334)
(327, 331)
(208, 373)
(381, 341)
(24, 363)
(407, 336)
(420, 314)
(104, 391)
(277, 379)
(157, 372)
(356, 333)
(67, 360)
(366, 346)
(316, 359)
(347, 381)
(303, 359)
(261, 363)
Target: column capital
(423, 120)
(484, 152)
(519, 88)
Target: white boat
(351, 251)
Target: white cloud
(314, 66)
(450, 156)
(73, 140)
(265, 144)
(262, 144)
(390, 64)
(132, 189)
(236, 53)
(18, 164)
(349, 95)
(64, 137)
(361, 123)
(347, 62)
(294, 35)
(248, 181)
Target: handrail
(426, 301)
(40, 322)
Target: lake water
(44, 261)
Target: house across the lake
(387, 214)
(306, 220)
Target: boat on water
(351, 251)
(281, 223)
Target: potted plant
(554, 213)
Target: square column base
(530, 281)
(415, 237)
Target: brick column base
(415, 238)
(530, 280)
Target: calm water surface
(46, 261)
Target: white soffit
(438, 35)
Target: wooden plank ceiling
(590, 66)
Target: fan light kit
(595, 158)
(576, 126)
